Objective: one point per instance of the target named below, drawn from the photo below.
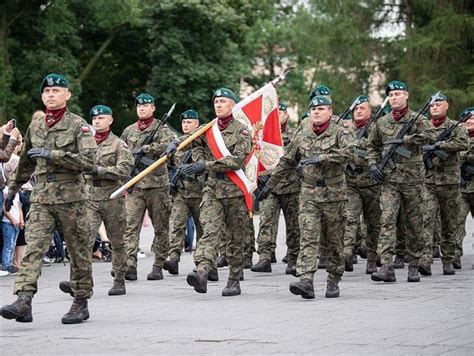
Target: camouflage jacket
(114, 163)
(291, 183)
(358, 172)
(467, 164)
(191, 188)
(448, 172)
(325, 182)
(239, 143)
(408, 170)
(7, 146)
(73, 151)
(134, 138)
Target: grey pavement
(433, 317)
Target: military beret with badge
(395, 85)
(282, 106)
(225, 93)
(320, 100)
(54, 80)
(320, 90)
(100, 110)
(439, 97)
(144, 98)
(190, 115)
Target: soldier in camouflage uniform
(223, 209)
(402, 186)
(467, 189)
(283, 196)
(152, 192)
(187, 196)
(443, 194)
(363, 194)
(57, 149)
(114, 164)
(322, 153)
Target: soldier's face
(439, 108)
(398, 99)
(223, 106)
(188, 125)
(55, 97)
(320, 114)
(145, 111)
(102, 123)
(362, 112)
(282, 116)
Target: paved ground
(433, 317)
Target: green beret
(190, 114)
(54, 80)
(395, 85)
(225, 93)
(361, 99)
(144, 98)
(441, 97)
(467, 111)
(320, 100)
(282, 106)
(100, 110)
(320, 90)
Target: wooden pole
(160, 161)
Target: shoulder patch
(85, 129)
(125, 145)
(244, 132)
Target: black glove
(171, 149)
(304, 162)
(264, 193)
(429, 148)
(9, 200)
(376, 173)
(193, 170)
(262, 181)
(39, 152)
(394, 141)
(93, 172)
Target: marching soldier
(58, 149)
(363, 194)
(187, 196)
(401, 196)
(322, 153)
(223, 209)
(152, 192)
(283, 196)
(442, 190)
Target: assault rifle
(387, 158)
(140, 157)
(429, 155)
(176, 181)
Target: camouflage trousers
(225, 219)
(401, 203)
(315, 220)
(467, 206)
(158, 203)
(71, 220)
(268, 230)
(363, 201)
(444, 201)
(180, 210)
(249, 243)
(112, 213)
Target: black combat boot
(78, 312)
(172, 266)
(385, 274)
(399, 262)
(212, 275)
(20, 309)
(436, 252)
(262, 266)
(222, 261)
(304, 288)
(425, 268)
(371, 267)
(198, 280)
(322, 264)
(457, 262)
(285, 259)
(378, 263)
(131, 274)
(65, 287)
(332, 289)
(362, 252)
(232, 288)
(448, 269)
(155, 274)
(118, 288)
(289, 267)
(274, 258)
(348, 262)
(413, 275)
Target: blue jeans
(10, 233)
